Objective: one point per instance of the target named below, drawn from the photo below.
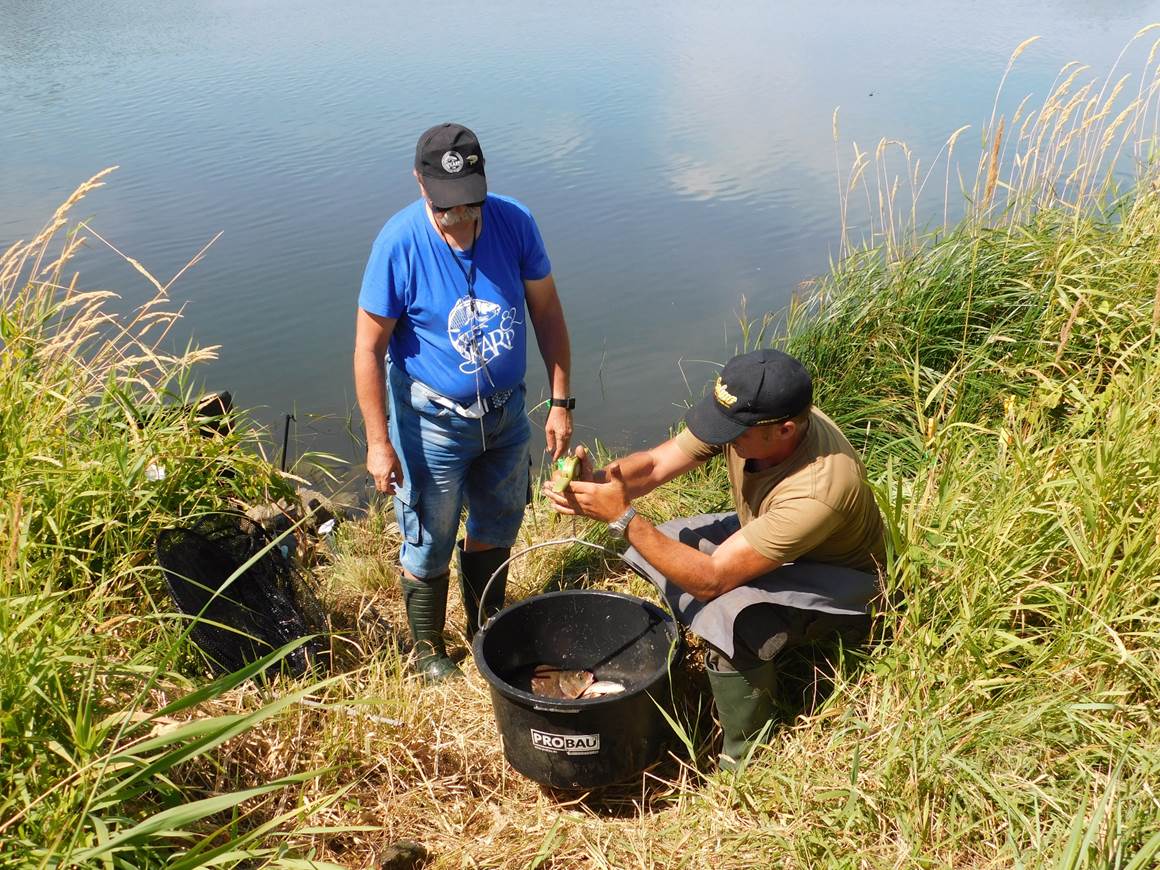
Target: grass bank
(1003, 384)
(998, 373)
(106, 756)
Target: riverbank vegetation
(999, 373)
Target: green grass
(1001, 378)
(1003, 384)
(100, 732)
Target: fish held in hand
(566, 470)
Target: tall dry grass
(1091, 136)
(106, 747)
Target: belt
(473, 411)
(487, 403)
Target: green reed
(1000, 376)
(100, 731)
(1003, 385)
(1001, 379)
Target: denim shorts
(451, 462)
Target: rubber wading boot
(475, 569)
(426, 603)
(744, 701)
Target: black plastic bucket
(590, 742)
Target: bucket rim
(572, 704)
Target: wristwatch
(568, 403)
(619, 526)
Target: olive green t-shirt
(816, 505)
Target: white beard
(457, 216)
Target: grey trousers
(799, 603)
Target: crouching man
(796, 561)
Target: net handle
(484, 619)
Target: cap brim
(450, 192)
(709, 423)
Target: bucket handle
(483, 619)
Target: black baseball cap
(450, 162)
(765, 386)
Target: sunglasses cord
(475, 345)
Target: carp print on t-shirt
(482, 338)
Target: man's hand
(587, 471)
(600, 501)
(558, 431)
(384, 466)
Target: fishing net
(261, 609)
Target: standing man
(450, 285)
(796, 561)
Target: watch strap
(619, 526)
(569, 403)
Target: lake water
(678, 157)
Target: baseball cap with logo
(450, 162)
(765, 386)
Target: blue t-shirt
(412, 276)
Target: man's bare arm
(547, 315)
(644, 471)
(703, 576)
(372, 335)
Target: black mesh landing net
(262, 609)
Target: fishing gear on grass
(261, 609)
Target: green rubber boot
(475, 569)
(744, 701)
(426, 603)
